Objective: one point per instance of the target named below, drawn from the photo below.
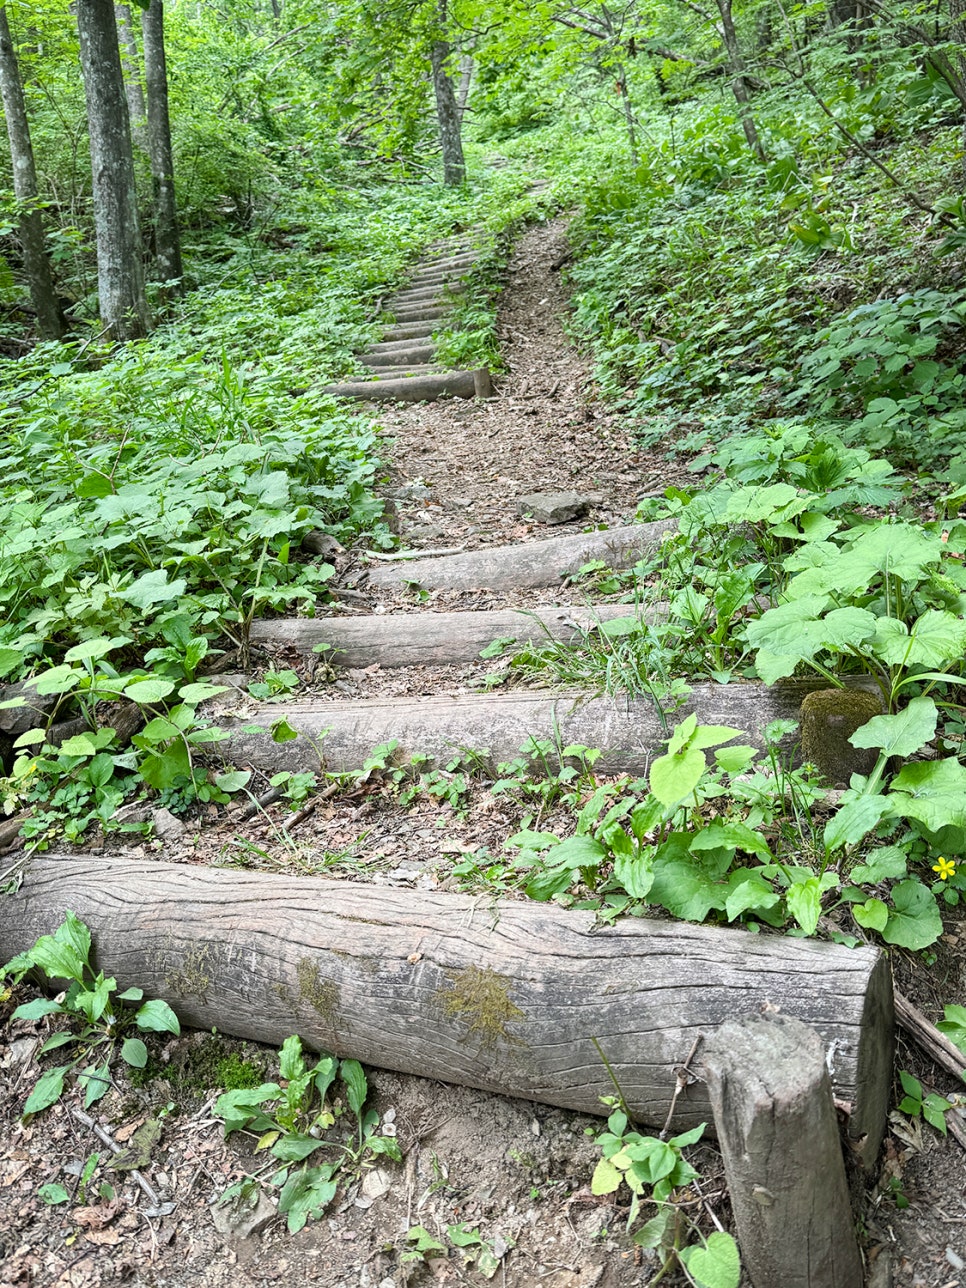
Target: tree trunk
(447, 110)
(131, 70)
(625, 94)
(520, 998)
(120, 272)
(40, 282)
(167, 241)
(739, 85)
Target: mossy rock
(829, 719)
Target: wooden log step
(405, 370)
(529, 563)
(629, 732)
(518, 998)
(444, 384)
(395, 346)
(422, 295)
(426, 639)
(406, 357)
(408, 331)
(774, 1116)
(431, 313)
(442, 278)
(446, 263)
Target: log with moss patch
(520, 998)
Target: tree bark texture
(512, 997)
(738, 85)
(775, 1120)
(167, 239)
(426, 639)
(425, 388)
(120, 272)
(447, 110)
(40, 281)
(629, 732)
(530, 563)
(131, 71)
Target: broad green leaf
(157, 1016)
(576, 852)
(153, 588)
(804, 901)
(675, 776)
(651, 1159)
(748, 892)
(688, 1137)
(935, 639)
(606, 1178)
(46, 1090)
(902, 734)
(681, 733)
(134, 1053)
(81, 744)
(871, 915)
(716, 1265)
(914, 922)
(37, 1009)
(357, 1088)
(953, 1024)
(735, 760)
(933, 792)
(148, 690)
(653, 1232)
(713, 735)
(854, 820)
(732, 835)
(635, 872)
(682, 887)
(291, 1147)
(547, 882)
(52, 1193)
(95, 1081)
(162, 770)
(291, 1061)
(234, 780)
(282, 731)
(886, 863)
(195, 693)
(306, 1193)
(461, 1237)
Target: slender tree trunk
(40, 282)
(738, 84)
(131, 69)
(167, 241)
(466, 80)
(624, 91)
(120, 272)
(447, 110)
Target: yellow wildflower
(946, 868)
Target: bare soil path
(516, 1172)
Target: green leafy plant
(102, 1020)
(293, 1119)
(920, 1104)
(656, 1173)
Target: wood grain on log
(427, 639)
(775, 1120)
(506, 996)
(446, 384)
(532, 563)
(433, 313)
(630, 733)
(411, 354)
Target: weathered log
(628, 732)
(426, 639)
(775, 1120)
(423, 295)
(431, 313)
(409, 331)
(399, 346)
(411, 355)
(531, 563)
(405, 371)
(513, 997)
(437, 277)
(445, 384)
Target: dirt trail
(516, 1172)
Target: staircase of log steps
(630, 732)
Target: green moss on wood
(829, 719)
(192, 978)
(482, 999)
(321, 994)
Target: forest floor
(515, 1172)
